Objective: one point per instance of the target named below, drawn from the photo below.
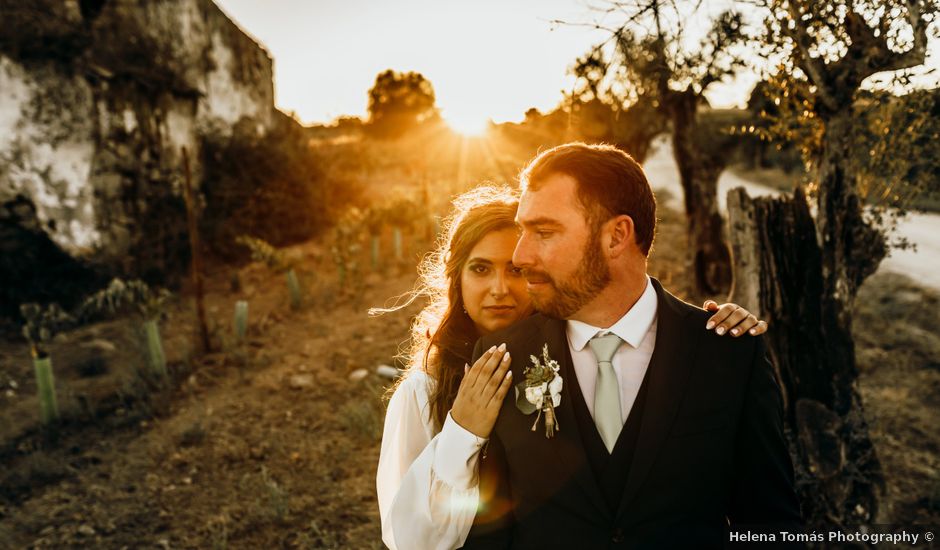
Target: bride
(442, 410)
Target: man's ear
(621, 235)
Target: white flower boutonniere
(541, 391)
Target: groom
(668, 436)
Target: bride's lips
(499, 309)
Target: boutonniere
(541, 391)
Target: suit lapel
(668, 376)
(571, 447)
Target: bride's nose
(498, 286)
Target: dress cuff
(458, 450)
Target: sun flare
(467, 125)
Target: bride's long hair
(442, 334)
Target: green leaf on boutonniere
(522, 403)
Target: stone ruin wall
(97, 101)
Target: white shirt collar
(632, 327)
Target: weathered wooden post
(196, 263)
(778, 275)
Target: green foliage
(542, 371)
(275, 259)
(121, 295)
(403, 212)
(651, 58)
(898, 152)
(894, 140)
(41, 324)
(276, 187)
(278, 499)
(399, 102)
(347, 247)
(362, 417)
(263, 252)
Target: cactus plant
(40, 326)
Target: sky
(486, 59)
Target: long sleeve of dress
(427, 482)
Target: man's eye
(543, 234)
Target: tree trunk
(698, 173)
(636, 128)
(781, 273)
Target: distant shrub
(274, 187)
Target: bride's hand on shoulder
(481, 392)
(732, 319)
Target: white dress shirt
(427, 481)
(637, 328)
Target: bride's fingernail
(506, 357)
(710, 325)
(753, 331)
(502, 347)
(734, 331)
(491, 350)
(508, 374)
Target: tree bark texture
(781, 273)
(698, 174)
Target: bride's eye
(515, 271)
(479, 269)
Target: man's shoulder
(693, 318)
(685, 310)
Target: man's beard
(591, 277)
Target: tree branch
(814, 67)
(869, 54)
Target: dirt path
(279, 452)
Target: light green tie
(607, 414)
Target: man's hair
(610, 183)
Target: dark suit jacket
(710, 454)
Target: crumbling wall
(98, 98)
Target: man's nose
(522, 255)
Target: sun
(466, 124)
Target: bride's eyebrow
(479, 261)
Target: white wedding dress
(427, 481)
